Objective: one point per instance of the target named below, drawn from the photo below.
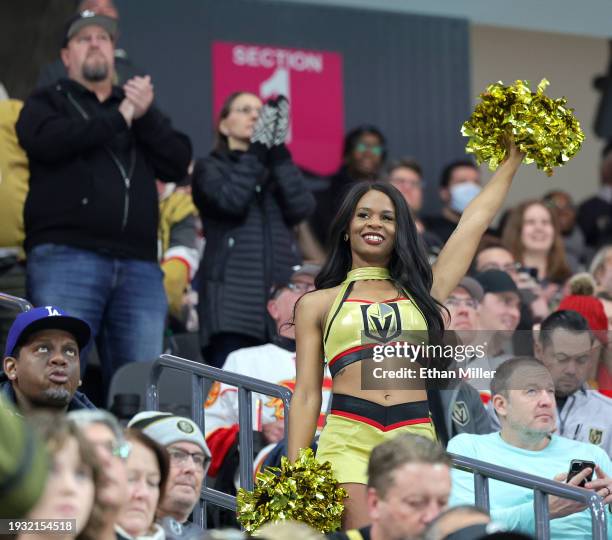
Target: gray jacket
(464, 411)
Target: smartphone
(530, 271)
(578, 465)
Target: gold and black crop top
(354, 326)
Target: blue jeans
(123, 300)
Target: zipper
(126, 175)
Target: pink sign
(311, 80)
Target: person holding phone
(523, 395)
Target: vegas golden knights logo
(381, 322)
(595, 436)
(460, 413)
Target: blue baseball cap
(46, 318)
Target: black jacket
(248, 213)
(79, 196)
(79, 400)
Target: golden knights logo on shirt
(595, 436)
(381, 322)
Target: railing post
(481, 491)
(245, 438)
(542, 514)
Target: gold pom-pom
(305, 491)
(545, 129)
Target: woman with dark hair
(377, 283)
(148, 467)
(250, 195)
(363, 156)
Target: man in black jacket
(91, 214)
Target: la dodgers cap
(46, 318)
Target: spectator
(41, 361)
(124, 69)
(567, 347)
(92, 245)
(523, 398)
(273, 362)
(407, 176)
(532, 236)
(73, 481)
(147, 471)
(189, 462)
(581, 299)
(363, 156)
(177, 232)
(561, 203)
(459, 184)
(23, 464)
(462, 405)
(492, 255)
(601, 269)
(13, 190)
(103, 431)
(595, 214)
(463, 522)
(408, 486)
(281, 530)
(498, 313)
(250, 194)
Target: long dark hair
(409, 267)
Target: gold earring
(346, 237)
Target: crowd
(119, 236)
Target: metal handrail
(542, 489)
(246, 385)
(14, 302)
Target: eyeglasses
(455, 302)
(117, 449)
(247, 109)
(376, 149)
(180, 457)
(300, 287)
(414, 184)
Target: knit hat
(166, 429)
(581, 300)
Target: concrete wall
(569, 63)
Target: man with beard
(41, 361)
(91, 213)
(189, 462)
(523, 395)
(568, 349)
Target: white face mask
(462, 195)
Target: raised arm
(306, 401)
(459, 250)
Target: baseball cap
(496, 281)
(472, 286)
(87, 18)
(46, 318)
(306, 269)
